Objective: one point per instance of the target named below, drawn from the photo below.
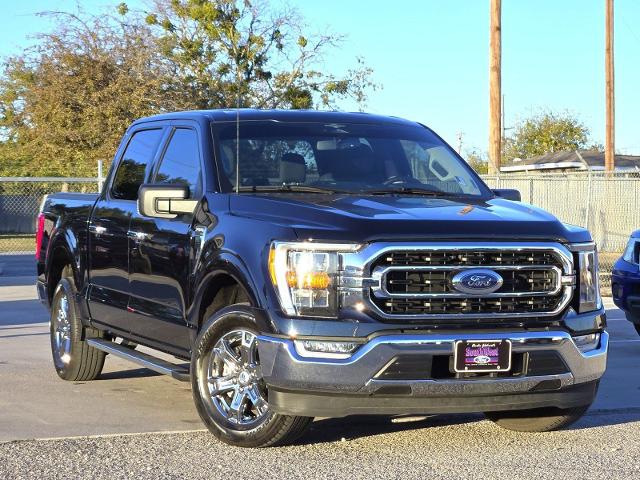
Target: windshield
(341, 158)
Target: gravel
(602, 445)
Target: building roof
(576, 160)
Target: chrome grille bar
(379, 276)
(375, 264)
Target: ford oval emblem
(481, 359)
(478, 281)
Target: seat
(293, 168)
(358, 164)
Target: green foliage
(546, 133)
(66, 102)
(227, 51)
(477, 161)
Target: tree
(65, 103)
(225, 51)
(477, 161)
(546, 133)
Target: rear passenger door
(108, 230)
(160, 249)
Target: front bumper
(339, 387)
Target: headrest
(355, 163)
(292, 168)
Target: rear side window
(131, 171)
(180, 163)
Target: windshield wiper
(291, 188)
(410, 191)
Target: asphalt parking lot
(132, 423)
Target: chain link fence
(608, 205)
(20, 199)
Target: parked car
(321, 264)
(625, 281)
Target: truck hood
(370, 218)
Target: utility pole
(609, 151)
(460, 135)
(495, 87)
(502, 123)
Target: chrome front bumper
(284, 370)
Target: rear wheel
(229, 392)
(73, 358)
(537, 420)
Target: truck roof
(229, 115)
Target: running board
(152, 363)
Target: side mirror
(165, 201)
(508, 194)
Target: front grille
(419, 283)
(468, 305)
(434, 281)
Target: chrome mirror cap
(165, 201)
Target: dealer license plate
(482, 356)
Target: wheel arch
(228, 270)
(58, 258)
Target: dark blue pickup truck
(321, 264)
(625, 281)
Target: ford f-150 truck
(321, 264)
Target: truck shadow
(607, 417)
(129, 373)
(336, 429)
(22, 312)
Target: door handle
(98, 229)
(137, 236)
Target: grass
(17, 243)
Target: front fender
(223, 263)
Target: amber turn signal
(310, 280)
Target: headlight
(632, 252)
(588, 283)
(307, 276)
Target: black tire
(77, 361)
(537, 420)
(637, 325)
(269, 428)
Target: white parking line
(625, 341)
(112, 435)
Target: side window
(136, 157)
(180, 163)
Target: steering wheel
(394, 179)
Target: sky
(431, 58)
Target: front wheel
(228, 389)
(537, 420)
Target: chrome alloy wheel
(235, 384)
(61, 329)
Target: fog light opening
(586, 343)
(325, 349)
